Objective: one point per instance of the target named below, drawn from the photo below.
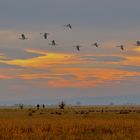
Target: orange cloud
(77, 77)
(6, 77)
(137, 49)
(132, 60)
(47, 60)
(91, 77)
(68, 70)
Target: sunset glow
(67, 64)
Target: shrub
(62, 105)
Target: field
(71, 123)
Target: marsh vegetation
(71, 123)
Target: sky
(32, 71)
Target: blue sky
(32, 71)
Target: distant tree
(62, 105)
(21, 106)
(37, 106)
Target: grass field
(73, 123)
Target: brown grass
(48, 125)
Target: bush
(124, 112)
(62, 105)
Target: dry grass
(88, 123)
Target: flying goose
(53, 43)
(121, 47)
(23, 37)
(138, 43)
(45, 35)
(77, 47)
(68, 26)
(95, 44)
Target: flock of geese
(53, 42)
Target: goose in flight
(45, 35)
(138, 43)
(95, 44)
(23, 37)
(77, 47)
(68, 26)
(121, 47)
(53, 43)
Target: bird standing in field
(121, 47)
(23, 37)
(68, 26)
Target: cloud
(8, 66)
(6, 77)
(77, 77)
(103, 58)
(42, 60)
(131, 68)
(17, 53)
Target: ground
(71, 123)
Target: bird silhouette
(68, 26)
(77, 47)
(121, 47)
(95, 44)
(45, 35)
(23, 37)
(53, 43)
(138, 43)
